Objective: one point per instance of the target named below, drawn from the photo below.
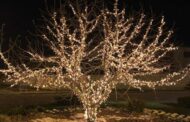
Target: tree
(92, 53)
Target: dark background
(18, 15)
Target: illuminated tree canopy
(93, 52)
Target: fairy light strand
(118, 64)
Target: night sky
(18, 15)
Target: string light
(119, 33)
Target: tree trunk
(90, 114)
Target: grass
(20, 113)
(139, 106)
(172, 108)
(64, 102)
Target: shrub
(40, 109)
(66, 101)
(135, 106)
(20, 110)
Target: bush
(66, 101)
(128, 106)
(18, 111)
(135, 106)
(40, 109)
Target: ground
(55, 106)
(76, 115)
